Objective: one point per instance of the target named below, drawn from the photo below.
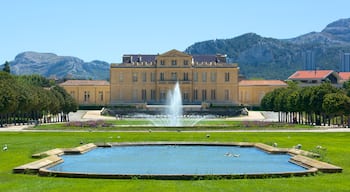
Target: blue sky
(107, 29)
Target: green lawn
(23, 144)
(145, 125)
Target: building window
(204, 95)
(162, 62)
(213, 76)
(162, 95)
(134, 94)
(72, 93)
(195, 76)
(227, 76)
(173, 62)
(120, 95)
(121, 77)
(173, 76)
(153, 77)
(185, 96)
(195, 95)
(153, 94)
(204, 76)
(185, 76)
(100, 95)
(86, 96)
(144, 76)
(144, 95)
(213, 94)
(134, 76)
(185, 62)
(227, 95)
(161, 76)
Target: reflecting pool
(177, 160)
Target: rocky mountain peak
(339, 24)
(271, 58)
(340, 29)
(31, 56)
(48, 64)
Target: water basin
(177, 160)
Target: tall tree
(346, 87)
(7, 67)
(267, 101)
(336, 104)
(36, 80)
(70, 105)
(8, 96)
(8, 93)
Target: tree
(8, 93)
(267, 101)
(274, 101)
(7, 67)
(336, 104)
(70, 103)
(316, 100)
(8, 96)
(36, 80)
(30, 97)
(314, 104)
(305, 103)
(293, 100)
(346, 87)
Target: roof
(141, 58)
(152, 58)
(204, 58)
(314, 74)
(344, 75)
(84, 83)
(262, 83)
(196, 58)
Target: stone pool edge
(299, 157)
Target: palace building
(251, 92)
(88, 92)
(148, 78)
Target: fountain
(174, 106)
(173, 113)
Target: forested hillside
(270, 58)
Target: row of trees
(32, 98)
(317, 105)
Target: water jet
(173, 112)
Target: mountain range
(270, 58)
(52, 65)
(257, 56)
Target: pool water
(177, 160)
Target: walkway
(252, 116)
(85, 115)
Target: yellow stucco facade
(251, 92)
(148, 78)
(88, 92)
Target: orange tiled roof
(344, 75)
(317, 74)
(262, 83)
(84, 83)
